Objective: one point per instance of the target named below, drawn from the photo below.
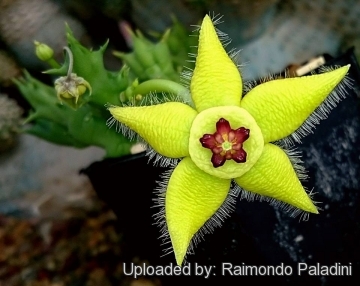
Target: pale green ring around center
(226, 146)
(205, 123)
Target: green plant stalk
(53, 132)
(164, 85)
(89, 126)
(53, 63)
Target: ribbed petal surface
(216, 80)
(281, 106)
(166, 127)
(273, 176)
(192, 197)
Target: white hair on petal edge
(294, 156)
(216, 18)
(154, 98)
(248, 85)
(150, 99)
(187, 73)
(158, 159)
(321, 112)
(293, 211)
(159, 217)
(225, 41)
(122, 128)
(216, 220)
(186, 76)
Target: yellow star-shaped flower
(227, 138)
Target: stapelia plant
(72, 112)
(222, 139)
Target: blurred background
(53, 228)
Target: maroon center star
(226, 143)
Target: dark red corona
(226, 143)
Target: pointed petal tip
(213, 65)
(207, 19)
(314, 209)
(340, 73)
(273, 176)
(311, 208)
(180, 256)
(159, 125)
(192, 198)
(113, 110)
(345, 69)
(280, 107)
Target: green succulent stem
(53, 63)
(71, 60)
(164, 85)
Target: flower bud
(43, 51)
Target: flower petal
(223, 126)
(273, 176)
(216, 80)
(281, 106)
(239, 156)
(166, 127)
(218, 160)
(192, 197)
(208, 141)
(242, 134)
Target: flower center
(226, 143)
(229, 143)
(227, 146)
